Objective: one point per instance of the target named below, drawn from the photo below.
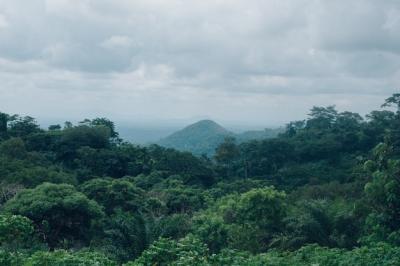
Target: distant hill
(203, 137)
(199, 138)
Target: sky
(239, 62)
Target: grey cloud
(140, 57)
(358, 25)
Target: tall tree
(59, 212)
(394, 135)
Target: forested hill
(204, 136)
(199, 138)
(326, 191)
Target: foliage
(187, 251)
(16, 232)
(59, 212)
(124, 236)
(8, 258)
(114, 194)
(383, 194)
(323, 192)
(64, 258)
(240, 221)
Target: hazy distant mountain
(203, 137)
(199, 138)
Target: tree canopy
(325, 191)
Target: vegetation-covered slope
(205, 136)
(199, 138)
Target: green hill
(199, 138)
(203, 137)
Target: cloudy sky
(254, 62)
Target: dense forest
(326, 191)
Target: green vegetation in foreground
(326, 191)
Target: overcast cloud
(260, 62)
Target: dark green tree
(114, 194)
(59, 212)
(383, 195)
(124, 236)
